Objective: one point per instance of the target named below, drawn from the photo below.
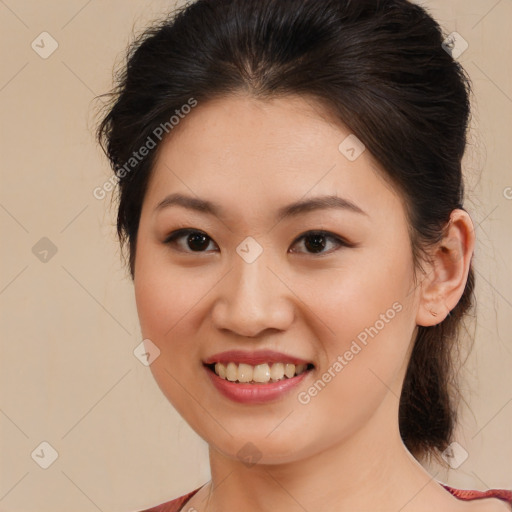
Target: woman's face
(250, 282)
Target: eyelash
(180, 233)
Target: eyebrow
(292, 210)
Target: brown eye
(316, 241)
(195, 241)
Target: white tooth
(289, 370)
(300, 368)
(277, 371)
(261, 373)
(220, 370)
(245, 372)
(231, 372)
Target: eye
(316, 241)
(193, 240)
(196, 241)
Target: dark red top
(463, 494)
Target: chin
(258, 451)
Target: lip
(254, 358)
(255, 393)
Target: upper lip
(254, 357)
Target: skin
(342, 450)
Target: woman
(290, 189)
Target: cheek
(367, 322)
(168, 301)
(166, 294)
(367, 293)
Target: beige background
(68, 374)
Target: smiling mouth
(259, 374)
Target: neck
(369, 470)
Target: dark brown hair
(379, 67)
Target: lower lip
(255, 393)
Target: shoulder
(505, 495)
(466, 494)
(174, 505)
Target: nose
(252, 298)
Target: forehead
(280, 125)
(273, 151)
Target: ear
(446, 277)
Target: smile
(256, 377)
(259, 374)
